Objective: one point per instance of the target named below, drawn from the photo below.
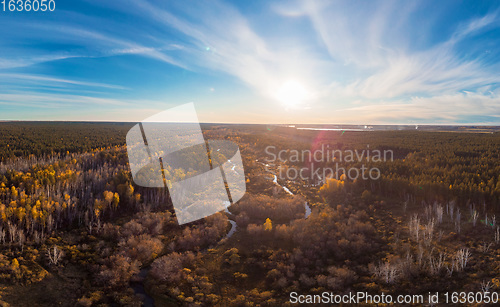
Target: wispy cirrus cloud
(56, 100)
(25, 61)
(385, 60)
(475, 25)
(395, 79)
(53, 80)
(230, 44)
(395, 69)
(380, 67)
(442, 109)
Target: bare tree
(55, 254)
(12, 231)
(21, 238)
(435, 265)
(414, 226)
(462, 257)
(452, 209)
(458, 221)
(439, 213)
(451, 267)
(485, 247)
(2, 235)
(428, 232)
(387, 272)
(485, 286)
(475, 215)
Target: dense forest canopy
(21, 139)
(69, 210)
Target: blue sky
(353, 62)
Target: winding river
(138, 286)
(306, 205)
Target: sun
(291, 93)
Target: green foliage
(22, 139)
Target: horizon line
(273, 124)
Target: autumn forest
(76, 231)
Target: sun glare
(291, 94)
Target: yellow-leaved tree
(268, 225)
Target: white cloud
(55, 80)
(475, 25)
(366, 60)
(394, 81)
(223, 40)
(450, 108)
(24, 61)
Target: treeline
(427, 165)
(39, 139)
